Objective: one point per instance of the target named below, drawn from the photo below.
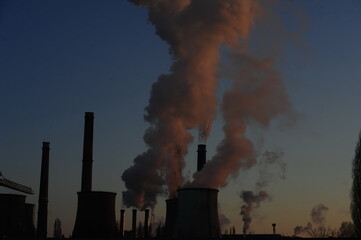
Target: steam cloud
(251, 201)
(185, 99)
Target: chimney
(86, 178)
(146, 223)
(122, 223)
(43, 193)
(201, 159)
(274, 228)
(134, 223)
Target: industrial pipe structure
(201, 158)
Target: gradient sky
(59, 59)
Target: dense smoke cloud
(251, 201)
(185, 99)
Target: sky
(59, 59)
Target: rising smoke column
(257, 95)
(185, 99)
(251, 201)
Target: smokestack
(201, 158)
(274, 228)
(43, 193)
(122, 223)
(146, 223)
(86, 178)
(134, 223)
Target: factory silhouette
(192, 215)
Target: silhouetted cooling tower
(197, 214)
(86, 177)
(134, 223)
(43, 193)
(146, 223)
(95, 217)
(201, 158)
(16, 217)
(170, 218)
(122, 212)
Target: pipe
(43, 193)
(122, 212)
(86, 177)
(134, 223)
(146, 223)
(201, 158)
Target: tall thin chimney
(122, 212)
(43, 193)
(201, 158)
(86, 177)
(146, 223)
(134, 223)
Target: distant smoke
(317, 214)
(270, 158)
(317, 217)
(251, 201)
(300, 229)
(185, 99)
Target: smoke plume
(185, 99)
(251, 201)
(317, 217)
(317, 214)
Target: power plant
(193, 214)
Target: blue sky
(59, 59)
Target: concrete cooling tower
(197, 214)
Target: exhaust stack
(146, 223)
(122, 212)
(43, 193)
(201, 158)
(134, 223)
(86, 177)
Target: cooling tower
(43, 193)
(95, 217)
(197, 214)
(170, 218)
(201, 156)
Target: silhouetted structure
(16, 217)
(122, 223)
(134, 223)
(356, 189)
(201, 158)
(95, 216)
(170, 218)
(197, 214)
(146, 223)
(57, 229)
(43, 193)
